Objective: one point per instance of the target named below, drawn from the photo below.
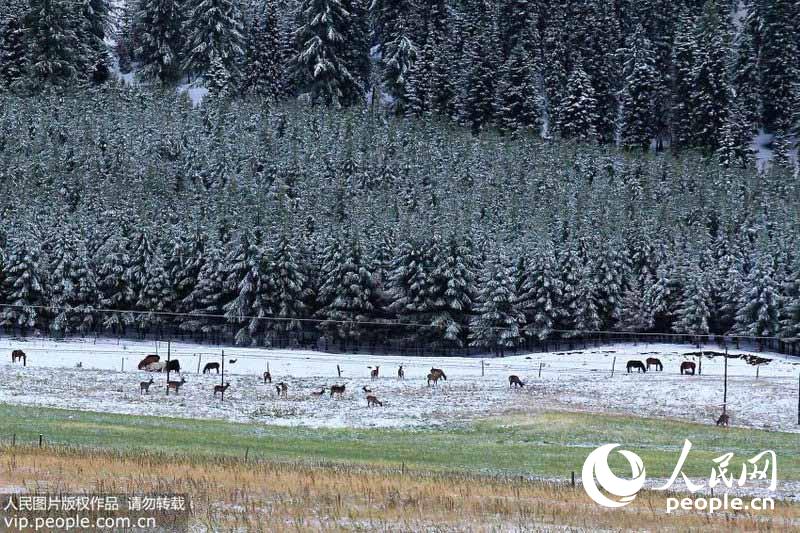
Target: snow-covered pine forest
(347, 216)
(441, 174)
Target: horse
(723, 420)
(515, 381)
(656, 363)
(143, 364)
(283, 389)
(638, 365)
(175, 385)
(688, 367)
(144, 386)
(439, 372)
(173, 366)
(158, 366)
(19, 354)
(401, 373)
(373, 401)
(434, 377)
(374, 372)
(211, 366)
(267, 377)
(337, 389)
(221, 389)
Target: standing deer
(144, 386)
(374, 372)
(373, 401)
(435, 375)
(17, 355)
(176, 385)
(723, 420)
(221, 389)
(515, 382)
(401, 374)
(337, 390)
(267, 377)
(283, 389)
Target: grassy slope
(548, 445)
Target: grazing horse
(283, 389)
(150, 359)
(158, 366)
(267, 377)
(374, 372)
(337, 389)
(515, 381)
(176, 385)
(401, 374)
(688, 367)
(723, 420)
(656, 363)
(144, 386)
(19, 354)
(173, 366)
(638, 365)
(221, 389)
(373, 401)
(211, 366)
(434, 377)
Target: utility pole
(725, 385)
(169, 352)
(222, 377)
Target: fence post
(613, 366)
(573, 479)
(123, 365)
(541, 364)
(199, 360)
(222, 377)
(41, 438)
(483, 371)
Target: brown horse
(373, 401)
(515, 382)
(637, 365)
(211, 366)
(148, 360)
(652, 361)
(723, 420)
(435, 377)
(19, 354)
(337, 390)
(688, 367)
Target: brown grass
(266, 496)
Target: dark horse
(656, 363)
(211, 366)
(638, 365)
(19, 354)
(687, 367)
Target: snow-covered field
(108, 381)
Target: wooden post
(573, 479)
(41, 438)
(483, 370)
(199, 360)
(222, 377)
(541, 364)
(725, 385)
(122, 368)
(13, 440)
(758, 367)
(613, 366)
(338, 370)
(798, 402)
(168, 357)
(700, 363)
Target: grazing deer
(17, 355)
(515, 382)
(318, 393)
(688, 367)
(374, 372)
(221, 389)
(652, 361)
(637, 365)
(723, 420)
(79, 365)
(267, 377)
(373, 401)
(337, 389)
(401, 374)
(435, 375)
(439, 372)
(283, 389)
(366, 389)
(144, 386)
(211, 366)
(175, 385)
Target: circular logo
(597, 472)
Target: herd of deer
(152, 363)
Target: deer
(373, 401)
(515, 382)
(19, 355)
(175, 385)
(401, 374)
(435, 375)
(144, 386)
(723, 420)
(267, 377)
(318, 393)
(79, 364)
(366, 389)
(283, 389)
(374, 372)
(337, 389)
(221, 389)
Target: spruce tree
(159, 27)
(638, 93)
(23, 288)
(577, 115)
(496, 323)
(213, 29)
(265, 69)
(56, 54)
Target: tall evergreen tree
(638, 94)
(213, 29)
(496, 324)
(159, 26)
